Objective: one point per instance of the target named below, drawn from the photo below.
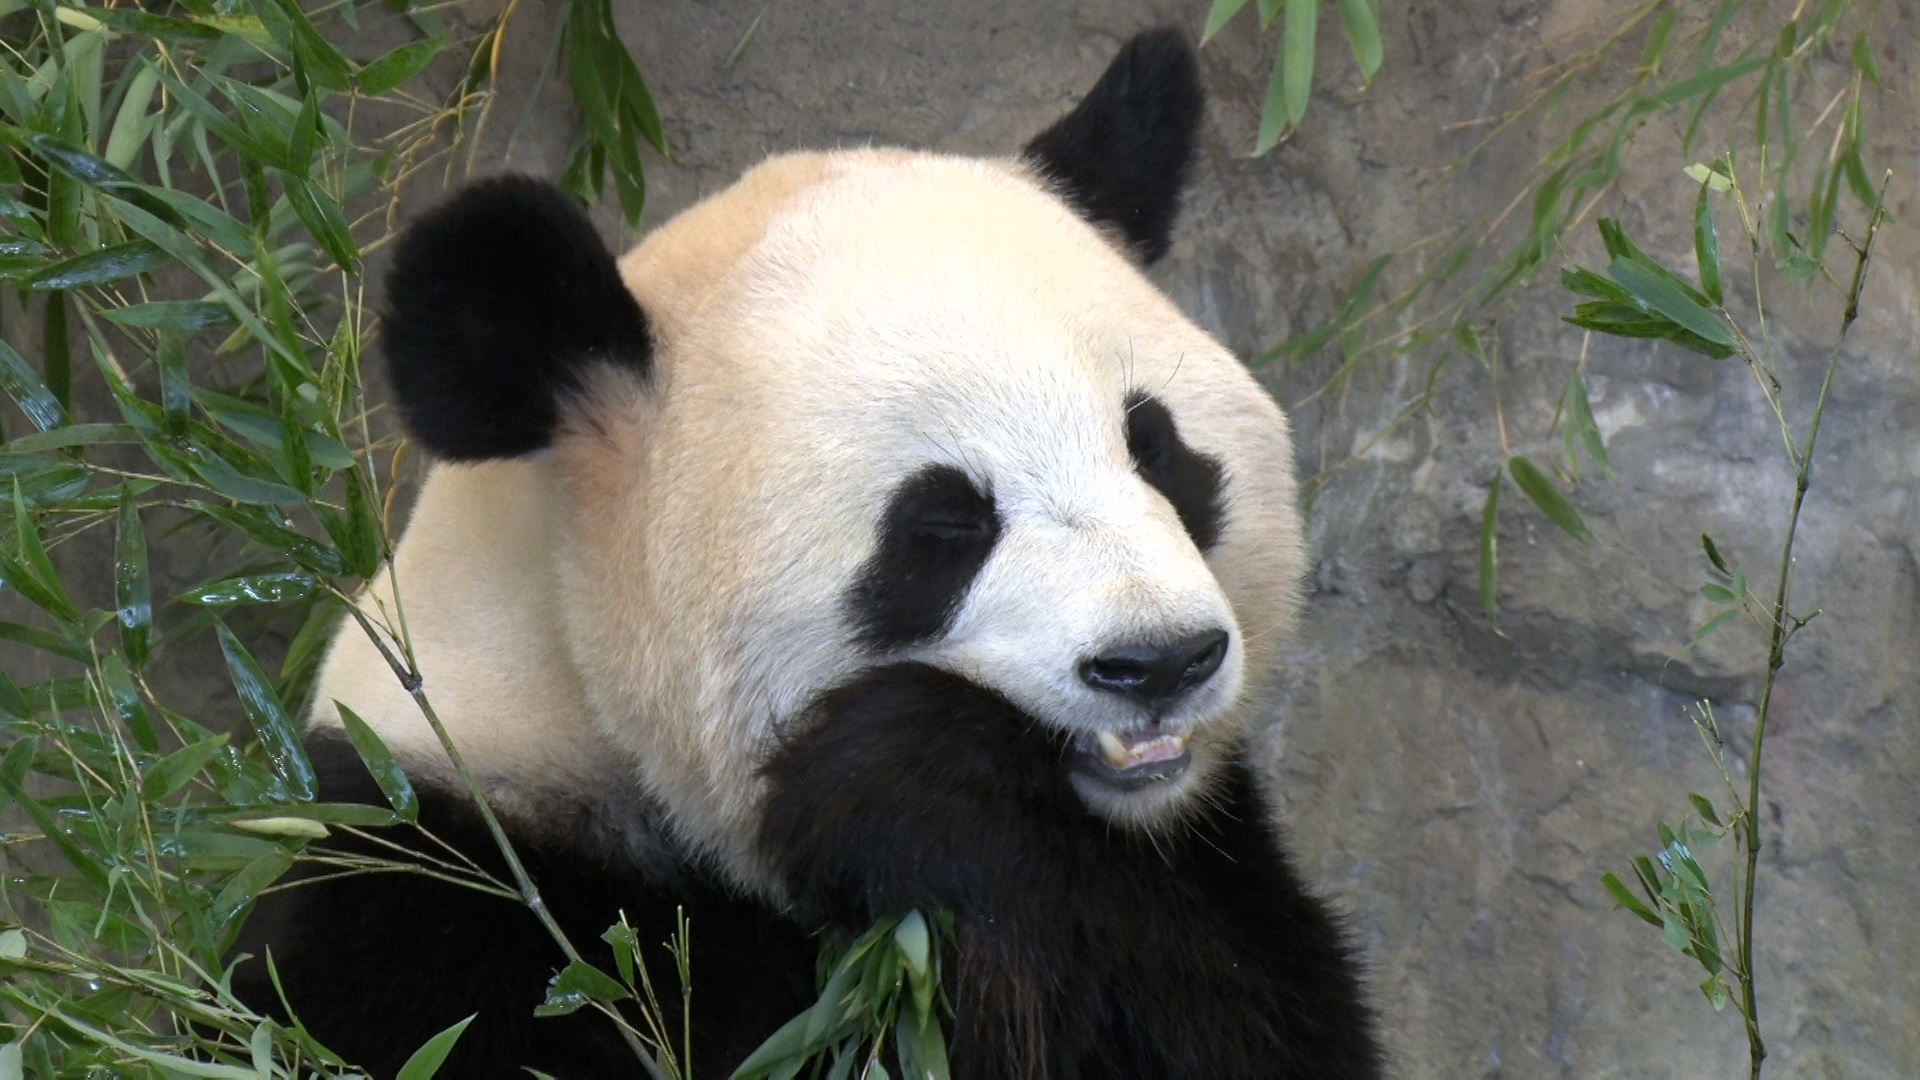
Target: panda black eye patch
(1190, 480)
(933, 538)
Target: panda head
(869, 406)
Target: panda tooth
(1113, 750)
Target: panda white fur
(874, 536)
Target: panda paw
(912, 787)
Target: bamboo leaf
(71, 435)
(177, 769)
(1862, 59)
(913, 939)
(297, 462)
(117, 681)
(1625, 898)
(241, 888)
(1363, 33)
(583, 978)
(1344, 320)
(1655, 48)
(99, 267)
(176, 386)
(1713, 554)
(1716, 990)
(33, 576)
(188, 315)
(131, 123)
(1580, 423)
(380, 762)
(141, 24)
(1709, 175)
(740, 47)
(186, 250)
(1548, 498)
(360, 544)
(275, 588)
(295, 32)
(13, 772)
(1711, 625)
(246, 143)
(1489, 549)
(132, 588)
(80, 165)
(1296, 51)
(58, 361)
(267, 431)
(1657, 291)
(306, 132)
(270, 720)
(35, 638)
(323, 218)
(56, 830)
(1708, 81)
(1706, 247)
(397, 67)
(212, 222)
(303, 550)
(426, 1061)
(214, 471)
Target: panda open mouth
(1132, 760)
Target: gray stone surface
(1461, 791)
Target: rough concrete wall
(1460, 792)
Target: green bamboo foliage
(1640, 298)
(1734, 65)
(177, 195)
(181, 198)
(1291, 84)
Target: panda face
(1069, 582)
(930, 414)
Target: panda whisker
(1154, 839)
(1175, 373)
(957, 450)
(1200, 835)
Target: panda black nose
(1155, 674)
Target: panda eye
(1149, 449)
(948, 529)
(1149, 438)
(1190, 480)
(935, 535)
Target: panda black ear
(496, 303)
(1121, 156)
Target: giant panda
(874, 536)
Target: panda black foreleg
(1085, 949)
(374, 964)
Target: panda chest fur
(873, 537)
